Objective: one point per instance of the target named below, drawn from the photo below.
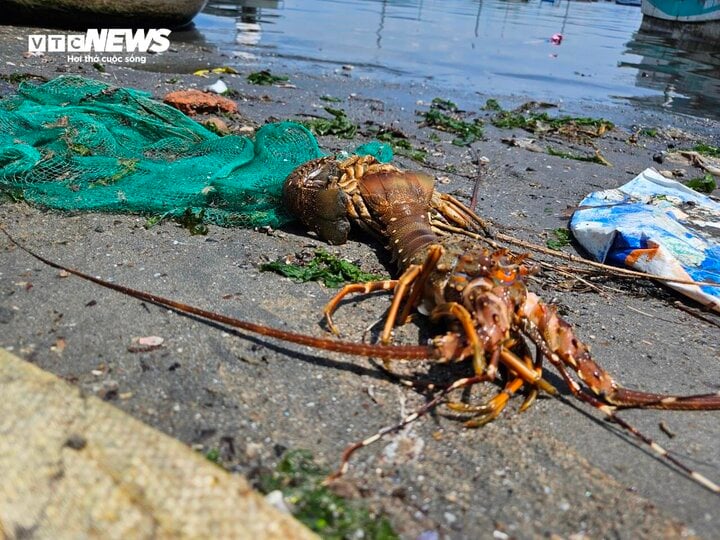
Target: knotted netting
(76, 144)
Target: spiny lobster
(481, 291)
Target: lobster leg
(528, 374)
(706, 402)
(491, 409)
(399, 286)
(453, 211)
(453, 309)
(364, 288)
(402, 285)
(533, 391)
(418, 280)
(430, 264)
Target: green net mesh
(76, 144)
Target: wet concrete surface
(555, 470)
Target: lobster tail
(399, 200)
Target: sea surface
(562, 51)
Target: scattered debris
(655, 225)
(298, 479)
(108, 390)
(492, 105)
(398, 141)
(194, 222)
(707, 150)
(213, 455)
(596, 157)
(445, 116)
(444, 105)
(59, 346)
(216, 125)
(265, 78)
(576, 129)
(674, 173)
(340, 125)
(219, 87)
(145, 344)
(542, 123)
(193, 102)
(561, 238)
(218, 71)
(666, 430)
(325, 267)
(703, 156)
(17, 78)
(277, 500)
(676, 134)
(649, 132)
(703, 184)
(524, 143)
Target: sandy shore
(553, 470)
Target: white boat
(683, 19)
(104, 13)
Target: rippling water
(496, 47)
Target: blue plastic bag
(658, 226)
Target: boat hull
(689, 11)
(104, 13)
(683, 19)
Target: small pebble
(276, 499)
(76, 442)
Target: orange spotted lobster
(482, 292)
(478, 288)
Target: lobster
(480, 290)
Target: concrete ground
(553, 471)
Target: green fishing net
(76, 144)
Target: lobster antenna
(400, 352)
(661, 452)
(421, 411)
(611, 416)
(608, 411)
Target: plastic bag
(658, 226)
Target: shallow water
(494, 47)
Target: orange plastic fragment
(196, 102)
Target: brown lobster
(481, 291)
